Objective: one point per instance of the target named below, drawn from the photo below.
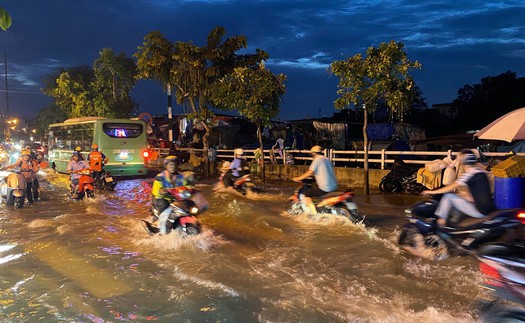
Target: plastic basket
(511, 167)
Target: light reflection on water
(93, 261)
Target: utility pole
(170, 117)
(6, 88)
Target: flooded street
(92, 261)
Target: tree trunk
(205, 145)
(365, 168)
(259, 135)
(114, 79)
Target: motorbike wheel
(438, 246)
(352, 216)
(510, 316)
(192, 230)
(293, 208)
(390, 185)
(411, 237)
(19, 202)
(90, 194)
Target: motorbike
(402, 177)
(242, 185)
(13, 189)
(503, 270)
(461, 234)
(85, 185)
(105, 181)
(336, 203)
(184, 211)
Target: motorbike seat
(331, 194)
(470, 221)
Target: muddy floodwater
(92, 261)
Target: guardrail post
(383, 154)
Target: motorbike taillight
(521, 216)
(491, 276)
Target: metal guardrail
(340, 157)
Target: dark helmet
(170, 159)
(76, 153)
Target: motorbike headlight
(194, 210)
(185, 194)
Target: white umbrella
(509, 127)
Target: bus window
(123, 130)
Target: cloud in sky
(457, 42)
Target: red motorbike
(336, 203)
(185, 203)
(502, 266)
(86, 184)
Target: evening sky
(457, 42)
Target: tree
(46, 116)
(383, 75)
(482, 103)
(103, 90)
(191, 69)
(5, 19)
(254, 93)
(197, 68)
(72, 94)
(114, 80)
(155, 58)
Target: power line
(11, 91)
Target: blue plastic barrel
(509, 193)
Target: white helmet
(238, 151)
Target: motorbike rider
(28, 168)
(79, 150)
(96, 160)
(469, 194)
(325, 178)
(169, 178)
(238, 168)
(36, 184)
(31, 152)
(75, 165)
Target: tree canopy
(101, 90)
(192, 69)
(5, 19)
(479, 104)
(380, 77)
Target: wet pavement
(93, 262)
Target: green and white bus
(123, 141)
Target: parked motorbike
(402, 177)
(183, 217)
(336, 203)
(85, 185)
(461, 234)
(13, 189)
(503, 269)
